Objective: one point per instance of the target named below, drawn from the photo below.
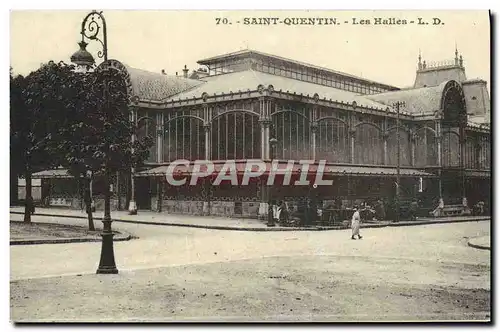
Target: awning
(335, 170)
(52, 173)
(370, 171)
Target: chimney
(163, 72)
(186, 71)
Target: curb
(478, 246)
(269, 229)
(119, 237)
(431, 222)
(231, 228)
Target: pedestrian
(479, 208)
(465, 204)
(438, 212)
(276, 212)
(283, 212)
(413, 210)
(355, 223)
(380, 210)
(313, 211)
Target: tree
(74, 147)
(98, 139)
(16, 105)
(63, 118)
(39, 104)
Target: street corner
(481, 242)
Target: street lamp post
(270, 210)
(90, 30)
(398, 105)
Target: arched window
(291, 129)
(425, 148)
(184, 137)
(484, 153)
(146, 126)
(332, 141)
(236, 135)
(453, 105)
(404, 148)
(368, 145)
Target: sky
(156, 40)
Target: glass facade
(235, 133)
(146, 126)
(291, 127)
(299, 72)
(426, 152)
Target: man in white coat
(355, 221)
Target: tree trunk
(13, 185)
(29, 207)
(88, 203)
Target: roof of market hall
(163, 89)
(270, 57)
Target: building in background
(232, 107)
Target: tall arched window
(454, 116)
(332, 141)
(484, 153)
(236, 135)
(291, 129)
(146, 126)
(404, 148)
(184, 137)
(368, 145)
(425, 148)
(453, 105)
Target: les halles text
(326, 21)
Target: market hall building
(250, 105)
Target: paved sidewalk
(482, 242)
(221, 223)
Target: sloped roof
(418, 101)
(158, 87)
(474, 80)
(250, 80)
